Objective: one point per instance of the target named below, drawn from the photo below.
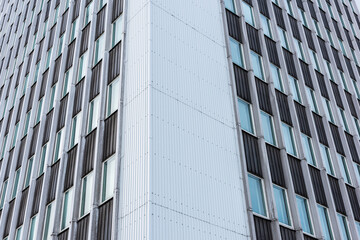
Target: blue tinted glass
(343, 227)
(275, 73)
(358, 227)
(325, 223)
(229, 4)
(309, 154)
(326, 159)
(267, 128)
(248, 15)
(257, 65)
(236, 52)
(281, 205)
(304, 214)
(288, 139)
(256, 194)
(245, 116)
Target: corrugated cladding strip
(276, 169)
(284, 110)
(82, 231)
(302, 119)
(318, 185)
(104, 227)
(263, 95)
(70, 168)
(287, 234)
(297, 176)
(252, 154)
(242, 83)
(337, 196)
(262, 228)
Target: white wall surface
(181, 176)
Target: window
(33, 227)
(317, 29)
(83, 66)
(102, 3)
(330, 10)
(283, 38)
(118, 30)
(328, 111)
(357, 125)
(257, 195)
(299, 49)
(276, 76)
(113, 96)
(312, 100)
(16, 183)
(27, 121)
(268, 128)
(25, 83)
(86, 194)
(343, 119)
(75, 130)
(325, 155)
(329, 71)
(67, 209)
(288, 139)
(73, 30)
(308, 149)
(3, 147)
(358, 227)
(52, 97)
(330, 37)
(256, 62)
(236, 52)
(344, 169)
(48, 58)
(229, 4)
(58, 146)
(356, 89)
(304, 214)
(343, 225)
(343, 80)
(245, 116)
(342, 46)
(248, 14)
(88, 13)
(56, 15)
(265, 22)
(93, 114)
(39, 110)
(303, 17)
(45, 27)
(15, 135)
(18, 235)
(325, 223)
(289, 8)
(67, 82)
(294, 86)
(37, 68)
(3, 193)
(49, 222)
(28, 172)
(99, 49)
(42, 159)
(281, 205)
(108, 179)
(314, 61)
(61, 45)
(354, 56)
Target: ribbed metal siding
(254, 41)
(21, 213)
(263, 7)
(70, 168)
(9, 218)
(78, 97)
(105, 220)
(263, 95)
(63, 235)
(277, 173)
(85, 39)
(337, 59)
(37, 195)
(82, 230)
(62, 113)
(297, 176)
(110, 136)
(8, 164)
(114, 62)
(117, 9)
(352, 147)
(287, 234)
(354, 202)
(70, 56)
(283, 105)
(21, 152)
(322, 86)
(312, 9)
(290, 65)
(41, 45)
(31, 98)
(95, 81)
(63, 22)
(234, 25)
(262, 228)
(43, 83)
(56, 70)
(47, 129)
(324, 18)
(21, 103)
(350, 103)
(318, 186)
(319, 126)
(309, 38)
(252, 154)
(34, 140)
(306, 74)
(279, 16)
(302, 118)
(76, 9)
(336, 193)
(294, 27)
(242, 83)
(337, 30)
(349, 67)
(347, 34)
(89, 152)
(336, 137)
(100, 22)
(51, 37)
(53, 182)
(8, 121)
(324, 51)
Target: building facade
(166, 119)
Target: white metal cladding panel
(134, 162)
(195, 170)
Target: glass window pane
(113, 97)
(229, 4)
(49, 222)
(248, 14)
(42, 159)
(245, 116)
(99, 49)
(256, 195)
(275, 73)
(257, 65)
(343, 225)
(94, 108)
(283, 38)
(304, 214)
(295, 89)
(325, 155)
(16, 183)
(311, 100)
(265, 22)
(3, 193)
(325, 223)
(117, 31)
(108, 184)
(343, 168)
(86, 194)
(28, 172)
(281, 205)
(268, 129)
(33, 228)
(288, 139)
(67, 209)
(236, 52)
(308, 149)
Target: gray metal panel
(89, 151)
(287, 234)
(9, 218)
(317, 185)
(306, 74)
(70, 168)
(23, 204)
(100, 22)
(355, 206)
(322, 85)
(252, 154)
(337, 196)
(79, 89)
(242, 83)
(290, 64)
(52, 186)
(62, 112)
(82, 230)
(104, 227)
(294, 27)
(302, 119)
(85, 39)
(37, 195)
(276, 169)
(352, 147)
(117, 9)
(47, 129)
(56, 70)
(297, 176)
(70, 55)
(95, 81)
(114, 62)
(337, 140)
(309, 38)
(34, 140)
(262, 228)
(234, 25)
(284, 110)
(263, 95)
(319, 126)
(110, 135)
(253, 39)
(279, 16)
